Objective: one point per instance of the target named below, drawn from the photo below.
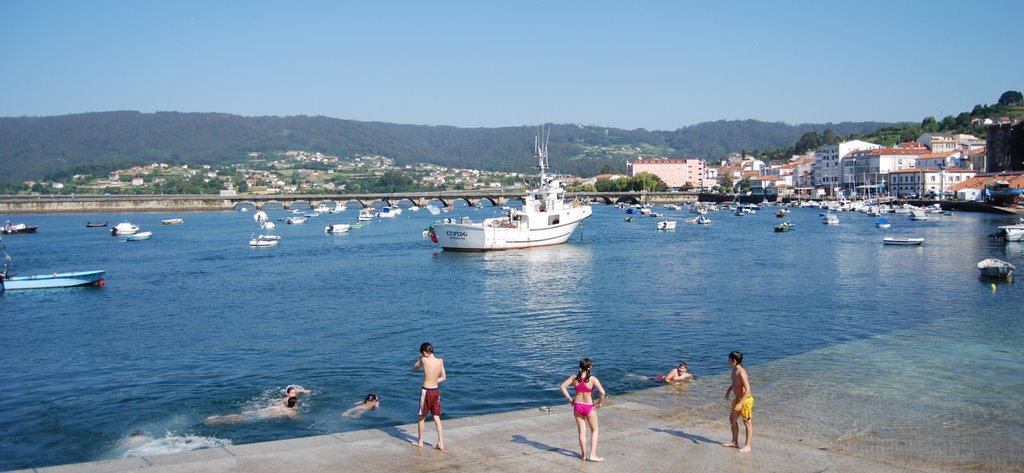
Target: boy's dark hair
(426, 347)
(292, 401)
(737, 357)
(370, 397)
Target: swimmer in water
(679, 374)
(287, 407)
(370, 403)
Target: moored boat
(264, 240)
(295, 220)
(905, 241)
(1013, 232)
(95, 224)
(139, 236)
(365, 215)
(829, 218)
(172, 221)
(337, 228)
(883, 223)
(55, 280)
(919, 215)
(996, 268)
(667, 225)
(546, 219)
(783, 227)
(9, 229)
(702, 220)
(124, 228)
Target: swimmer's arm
(671, 376)
(442, 376)
(301, 391)
(600, 390)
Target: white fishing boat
(389, 212)
(264, 240)
(1013, 232)
(904, 241)
(918, 214)
(365, 215)
(667, 225)
(830, 218)
(268, 225)
(124, 228)
(883, 223)
(172, 221)
(260, 216)
(295, 220)
(323, 208)
(546, 219)
(702, 220)
(337, 228)
(434, 210)
(995, 268)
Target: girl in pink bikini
(584, 408)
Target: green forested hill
(34, 147)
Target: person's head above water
(683, 366)
(371, 398)
(426, 348)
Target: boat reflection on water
(540, 292)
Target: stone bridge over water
(161, 203)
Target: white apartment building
(925, 181)
(866, 170)
(828, 162)
(676, 173)
(939, 142)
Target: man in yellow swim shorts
(742, 405)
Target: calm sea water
(901, 352)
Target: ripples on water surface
(900, 352)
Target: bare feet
(730, 444)
(596, 459)
(746, 448)
(417, 443)
(583, 456)
(439, 446)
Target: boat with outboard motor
(546, 218)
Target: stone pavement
(634, 436)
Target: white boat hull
(1013, 232)
(489, 236)
(903, 241)
(55, 280)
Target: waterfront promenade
(636, 435)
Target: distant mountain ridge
(33, 147)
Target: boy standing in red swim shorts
(430, 395)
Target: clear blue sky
(654, 65)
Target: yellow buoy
(993, 287)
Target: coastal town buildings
(865, 171)
(675, 173)
(926, 181)
(828, 169)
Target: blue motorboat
(883, 223)
(54, 280)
